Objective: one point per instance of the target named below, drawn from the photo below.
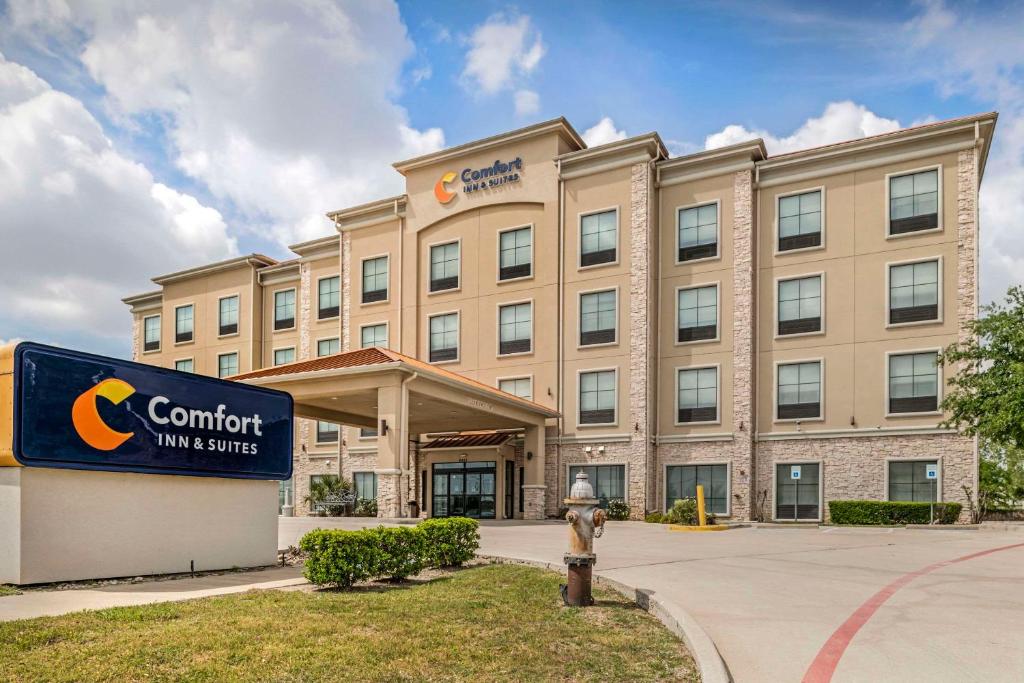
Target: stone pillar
(743, 347)
(534, 489)
(641, 344)
(389, 452)
(346, 290)
(137, 335)
(967, 300)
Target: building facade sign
(79, 411)
(476, 179)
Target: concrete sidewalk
(41, 603)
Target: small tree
(328, 487)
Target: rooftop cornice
(372, 213)
(319, 247)
(711, 162)
(617, 154)
(144, 300)
(560, 126)
(253, 260)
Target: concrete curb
(709, 661)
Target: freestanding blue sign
(80, 411)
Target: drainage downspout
(403, 491)
(401, 275)
(755, 196)
(561, 329)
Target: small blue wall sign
(80, 411)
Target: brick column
(640, 341)
(137, 336)
(743, 346)
(966, 311)
(346, 290)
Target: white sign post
(931, 472)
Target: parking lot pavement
(851, 601)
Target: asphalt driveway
(792, 604)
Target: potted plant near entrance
(330, 496)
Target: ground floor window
(681, 481)
(609, 481)
(908, 481)
(366, 485)
(796, 491)
(464, 489)
(285, 494)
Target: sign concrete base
(70, 525)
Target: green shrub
(874, 512)
(366, 507)
(449, 542)
(402, 551)
(340, 558)
(654, 518)
(684, 511)
(618, 509)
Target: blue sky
(143, 139)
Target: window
(151, 333)
(914, 292)
(698, 395)
(681, 482)
(374, 335)
(800, 221)
(329, 293)
(375, 279)
(609, 481)
(698, 314)
(908, 481)
(799, 305)
(914, 202)
(515, 323)
(284, 309)
(184, 365)
(227, 317)
(227, 364)
(698, 232)
(328, 347)
(366, 485)
(914, 382)
(326, 432)
(598, 317)
(183, 319)
(597, 397)
(282, 356)
(517, 386)
(599, 238)
(444, 337)
(515, 254)
(799, 391)
(444, 267)
(365, 433)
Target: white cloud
(83, 225)
(503, 50)
(281, 110)
(527, 102)
(603, 132)
(840, 121)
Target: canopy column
(534, 490)
(391, 429)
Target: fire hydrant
(586, 522)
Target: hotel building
(766, 326)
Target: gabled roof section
(615, 154)
(254, 260)
(560, 126)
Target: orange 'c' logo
(443, 195)
(86, 418)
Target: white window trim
(330, 337)
(941, 299)
(718, 313)
(359, 433)
(824, 307)
(888, 219)
(821, 488)
(273, 355)
(579, 238)
(238, 358)
(718, 395)
(533, 254)
(499, 380)
(387, 332)
(429, 268)
(579, 403)
(940, 378)
(533, 328)
(220, 299)
(273, 310)
(579, 317)
(340, 302)
(175, 327)
(937, 459)
(362, 261)
(778, 199)
(821, 392)
(159, 337)
(718, 234)
(596, 463)
(179, 360)
(316, 434)
(458, 337)
(728, 482)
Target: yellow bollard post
(700, 505)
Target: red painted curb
(827, 659)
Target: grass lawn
(496, 622)
(8, 590)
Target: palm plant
(326, 495)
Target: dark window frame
(185, 337)
(450, 282)
(800, 410)
(330, 311)
(599, 257)
(600, 335)
(916, 485)
(918, 222)
(285, 323)
(151, 346)
(372, 296)
(447, 353)
(333, 436)
(697, 333)
(700, 251)
(709, 499)
(795, 326)
(912, 405)
(700, 414)
(801, 240)
(598, 416)
(923, 313)
(517, 271)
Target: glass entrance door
(510, 474)
(464, 489)
(796, 492)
